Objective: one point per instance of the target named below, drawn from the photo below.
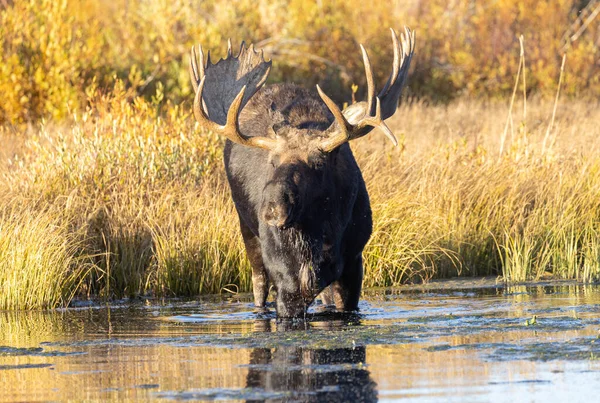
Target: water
(451, 341)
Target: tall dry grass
(449, 204)
(40, 262)
(141, 194)
(135, 202)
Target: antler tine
(337, 114)
(198, 110)
(406, 43)
(396, 64)
(369, 115)
(410, 35)
(229, 47)
(340, 136)
(201, 70)
(408, 46)
(405, 49)
(242, 48)
(370, 83)
(194, 69)
(377, 121)
(346, 131)
(231, 129)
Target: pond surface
(450, 341)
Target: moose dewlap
(301, 200)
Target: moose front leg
(326, 295)
(260, 281)
(346, 291)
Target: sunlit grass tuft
(39, 263)
(199, 250)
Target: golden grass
(40, 264)
(137, 191)
(124, 201)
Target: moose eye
(319, 164)
(316, 162)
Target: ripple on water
(437, 341)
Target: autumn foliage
(53, 51)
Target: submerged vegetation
(109, 188)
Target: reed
(124, 201)
(40, 260)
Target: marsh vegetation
(109, 189)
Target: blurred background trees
(54, 52)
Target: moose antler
(359, 119)
(222, 90)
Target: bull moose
(302, 203)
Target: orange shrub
(53, 50)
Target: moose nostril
(276, 215)
(271, 212)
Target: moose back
(302, 203)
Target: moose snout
(276, 215)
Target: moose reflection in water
(311, 374)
